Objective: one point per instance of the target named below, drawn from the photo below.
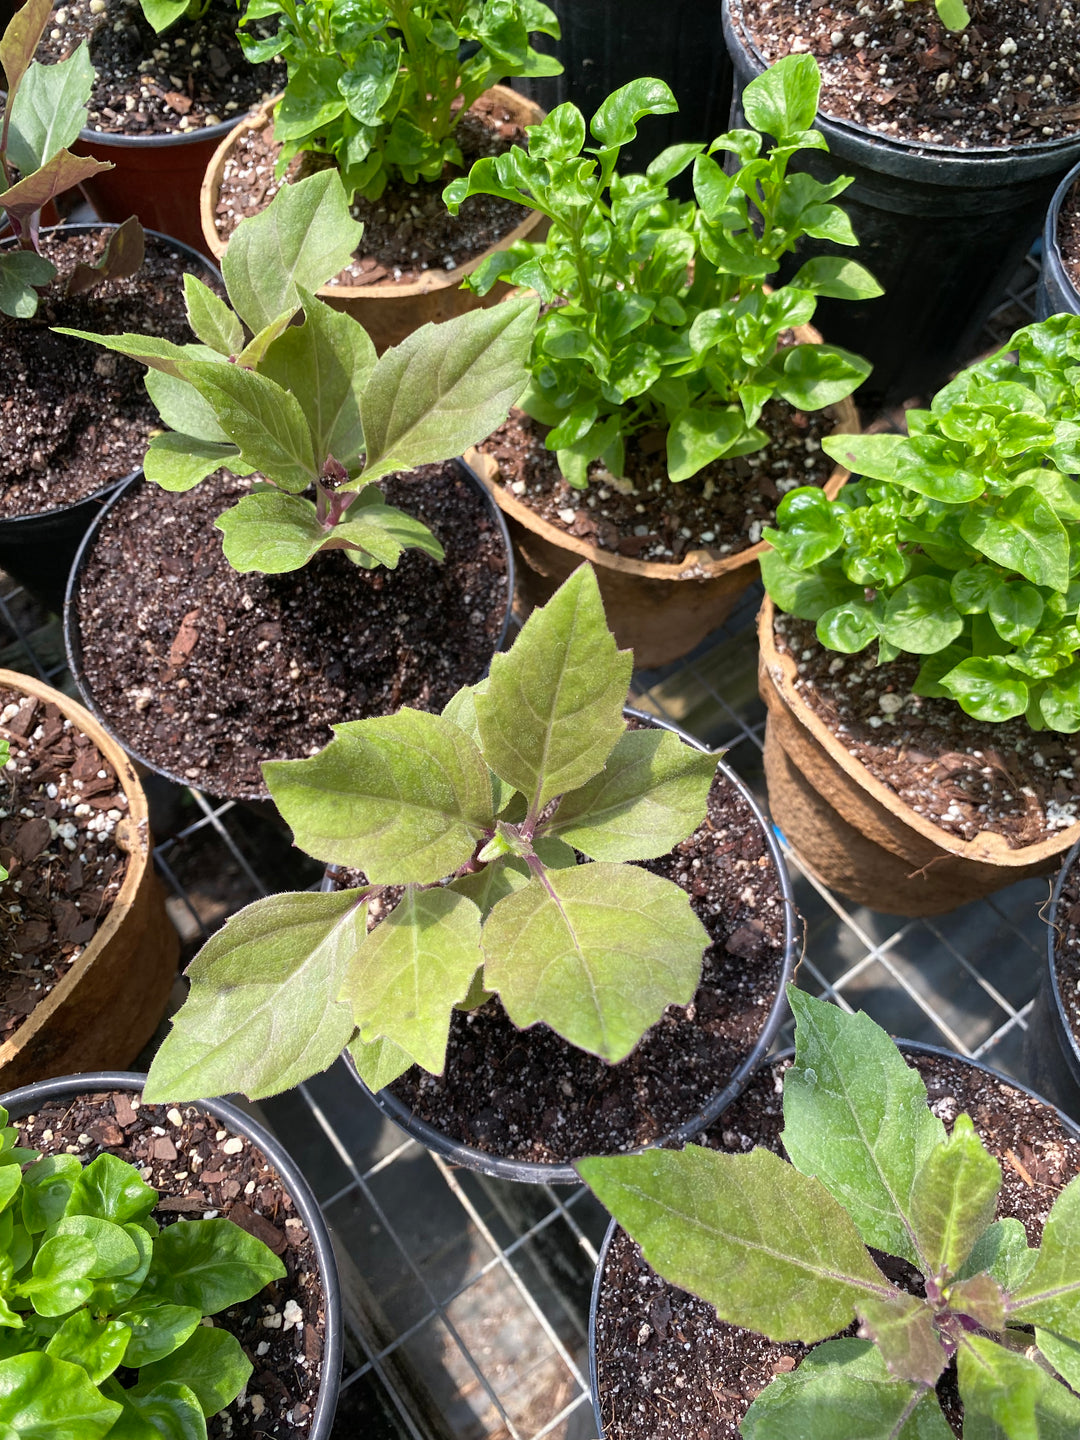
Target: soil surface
(669, 1369)
(206, 672)
(408, 230)
(60, 808)
(716, 513)
(73, 417)
(1010, 78)
(201, 1170)
(1067, 949)
(530, 1095)
(1068, 234)
(964, 775)
(192, 75)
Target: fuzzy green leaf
(182, 408)
(147, 349)
(19, 40)
(20, 272)
(49, 110)
(1050, 1295)
(211, 319)
(461, 709)
(1002, 1252)
(264, 421)
(179, 462)
(982, 1298)
(271, 532)
(384, 531)
(953, 1197)
(1008, 1397)
(902, 1328)
(379, 1063)
(59, 173)
(1064, 1355)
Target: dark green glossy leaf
(210, 1265)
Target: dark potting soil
(408, 230)
(718, 512)
(207, 672)
(1068, 234)
(76, 417)
(202, 1170)
(530, 1095)
(192, 75)
(964, 775)
(669, 1369)
(62, 817)
(1067, 949)
(1010, 78)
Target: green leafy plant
(477, 814)
(90, 1285)
(380, 85)
(657, 311)
(309, 406)
(781, 1249)
(962, 545)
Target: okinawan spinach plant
(309, 406)
(474, 812)
(89, 1283)
(658, 314)
(380, 85)
(781, 1249)
(962, 545)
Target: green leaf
(700, 435)
(46, 1187)
(1050, 1296)
(182, 408)
(96, 1345)
(379, 1063)
(874, 456)
(156, 1330)
(597, 952)
(809, 527)
(160, 14)
(768, 1247)
(855, 1115)
(981, 1298)
(813, 376)
(837, 277)
(210, 1363)
(49, 110)
(551, 711)
(147, 349)
(1015, 610)
(411, 971)
(919, 616)
(251, 356)
(382, 530)
(1008, 1397)
(262, 1013)
(1002, 1252)
(902, 1328)
(312, 99)
(211, 319)
(404, 798)
(970, 589)
(849, 627)
(446, 387)
(179, 462)
(988, 689)
(1022, 533)
(43, 1398)
(19, 39)
(1064, 1355)
(20, 272)
(784, 99)
(954, 14)
(111, 1190)
(210, 1265)
(615, 123)
(953, 1198)
(271, 532)
(264, 421)
(62, 1276)
(168, 1411)
(800, 593)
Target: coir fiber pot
(658, 610)
(540, 1173)
(38, 550)
(855, 833)
(1051, 1053)
(109, 1003)
(24, 1101)
(1056, 293)
(637, 1423)
(941, 229)
(387, 311)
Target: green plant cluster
(477, 813)
(380, 85)
(962, 544)
(781, 1249)
(657, 311)
(90, 1285)
(309, 406)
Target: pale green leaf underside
(380, 1063)
(182, 408)
(211, 319)
(953, 1198)
(264, 421)
(179, 462)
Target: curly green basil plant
(92, 1289)
(781, 1249)
(657, 311)
(477, 813)
(962, 544)
(309, 406)
(380, 85)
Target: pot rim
(26, 1097)
(538, 1172)
(74, 646)
(158, 140)
(1064, 1029)
(1051, 240)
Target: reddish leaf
(28, 195)
(123, 256)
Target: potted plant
(666, 384)
(92, 954)
(332, 432)
(1059, 285)
(463, 831)
(930, 771)
(955, 154)
(884, 1218)
(235, 1234)
(395, 105)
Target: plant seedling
(962, 544)
(309, 406)
(381, 85)
(953, 14)
(89, 1283)
(476, 813)
(781, 1249)
(658, 314)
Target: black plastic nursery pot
(910, 1047)
(24, 1101)
(1051, 1052)
(941, 229)
(1056, 293)
(38, 550)
(472, 1157)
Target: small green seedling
(962, 544)
(658, 313)
(477, 813)
(781, 1249)
(92, 1289)
(953, 14)
(309, 406)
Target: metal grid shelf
(466, 1298)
